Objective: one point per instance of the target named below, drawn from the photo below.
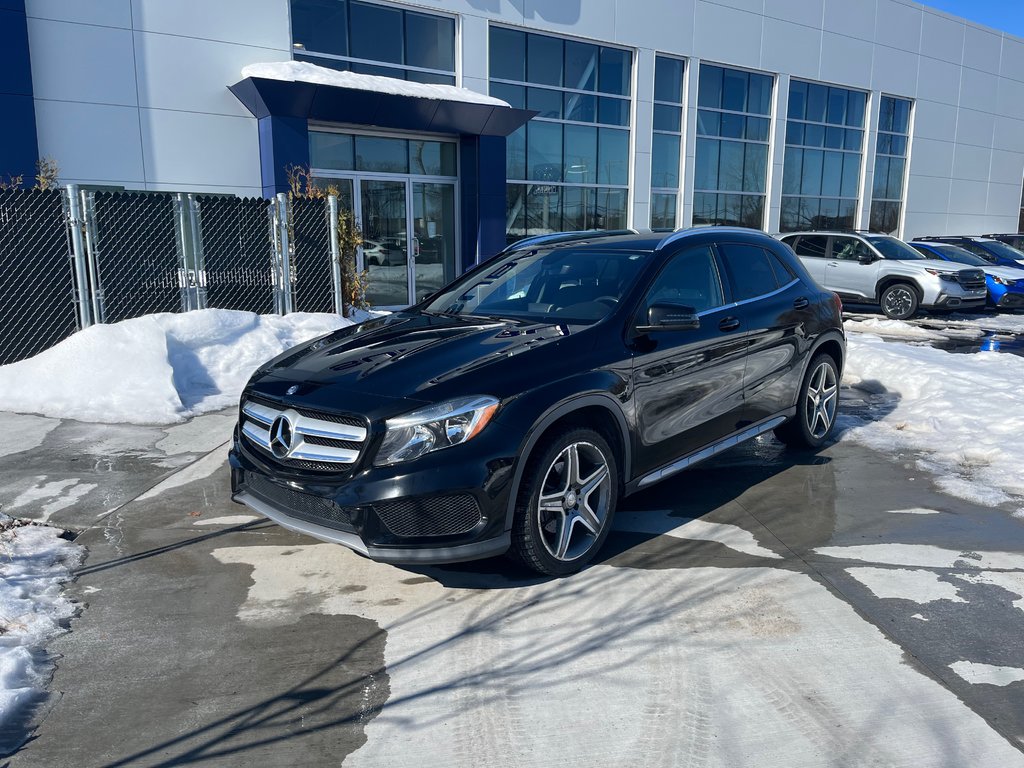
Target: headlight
(1008, 281)
(435, 427)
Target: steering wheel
(611, 301)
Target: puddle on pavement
(989, 342)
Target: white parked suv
(867, 268)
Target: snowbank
(897, 329)
(157, 369)
(964, 412)
(34, 562)
(304, 72)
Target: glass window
(890, 164)
(580, 66)
(815, 246)
(433, 158)
(750, 269)
(563, 154)
(663, 210)
(376, 33)
(732, 152)
(407, 45)
(848, 249)
(320, 25)
(665, 161)
(332, 151)
(668, 80)
(429, 41)
(821, 171)
(668, 118)
(508, 54)
(375, 153)
(544, 57)
(690, 279)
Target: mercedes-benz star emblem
(281, 437)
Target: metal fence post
(285, 253)
(332, 215)
(186, 267)
(78, 257)
(92, 250)
(198, 255)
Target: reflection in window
(890, 164)
(568, 168)
(731, 164)
(821, 171)
(331, 151)
(372, 39)
(667, 141)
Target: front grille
(971, 279)
(302, 438)
(432, 516)
(305, 506)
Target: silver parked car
(868, 268)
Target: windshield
(559, 285)
(1002, 250)
(892, 248)
(955, 253)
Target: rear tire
(566, 502)
(899, 301)
(816, 406)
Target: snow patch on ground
(1011, 581)
(227, 520)
(965, 412)
(23, 433)
(897, 329)
(919, 586)
(304, 72)
(925, 556)
(915, 511)
(203, 468)
(60, 493)
(987, 674)
(663, 523)
(157, 369)
(34, 562)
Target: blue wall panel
(284, 141)
(19, 148)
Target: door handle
(729, 324)
(833, 264)
(801, 303)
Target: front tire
(566, 502)
(816, 407)
(899, 301)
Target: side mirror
(867, 258)
(665, 316)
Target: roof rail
(680, 233)
(564, 237)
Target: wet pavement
(785, 608)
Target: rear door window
(815, 246)
(751, 270)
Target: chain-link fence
(71, 258)
(37, 283)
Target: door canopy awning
(303, 90)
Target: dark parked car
(1014, 240)
(513, 409)
(993, 251)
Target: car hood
(413, 356)
(1007, 273)
(940, 264)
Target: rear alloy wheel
(899, 301)
(566, 502)
(816, 408)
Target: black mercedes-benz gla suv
(514, 408)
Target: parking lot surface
(767, 606)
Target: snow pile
(34, 562)
(964, 412)
(157, 369)
(304, 72)
(897, 329)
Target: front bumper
(965, 300)
(1011, 300)
(449, 506)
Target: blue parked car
(1005, 284)
(993, 251)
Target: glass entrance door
(434, 228)
(386, 256)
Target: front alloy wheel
(899, 302)
(567, 499)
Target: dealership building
(452, 126)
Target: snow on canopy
(304, 72)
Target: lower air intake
(435, 516)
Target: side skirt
(705, 453)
